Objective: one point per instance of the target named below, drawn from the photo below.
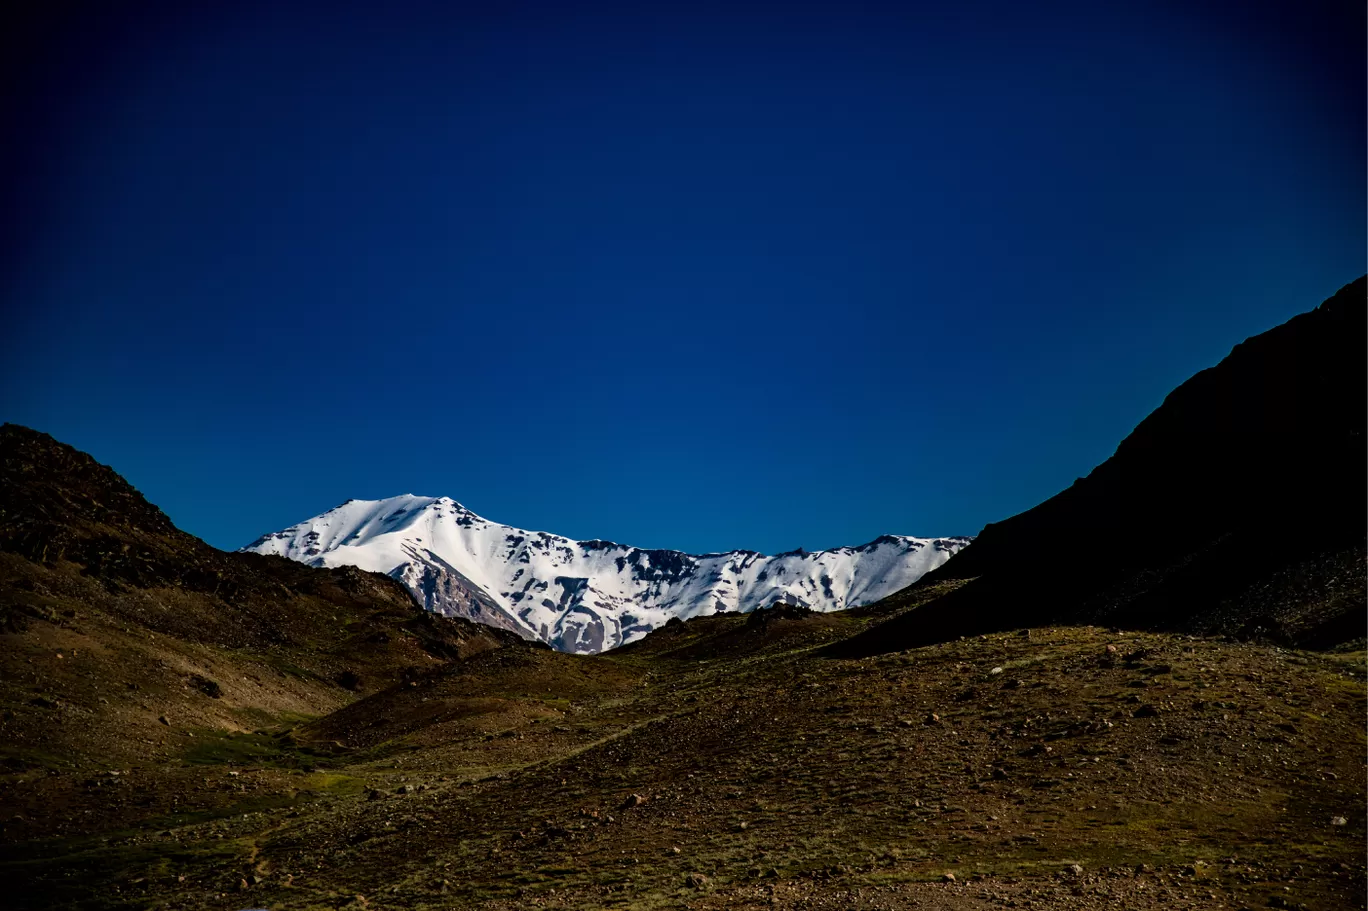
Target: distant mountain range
(586, 596)
(1236, 508)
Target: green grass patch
(280, 751)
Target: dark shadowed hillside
(1237, 507)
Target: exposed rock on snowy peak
(586, 596)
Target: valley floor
(726, 764)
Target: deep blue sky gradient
(691, 276)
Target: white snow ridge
(586, 596)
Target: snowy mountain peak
(586, 596)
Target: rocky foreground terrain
(723, 764)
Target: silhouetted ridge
(47, 487)
(1238, 504)
(59, 506)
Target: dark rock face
(779, 610)
(443, 590)
(1237, 504)
(55, 499)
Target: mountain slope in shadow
(124, 638)
(1237, 507)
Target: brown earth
(1173, 772)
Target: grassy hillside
(1067, 768)
(126, 643)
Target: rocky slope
(121, 634)
(724, 765)
(1237, 507)
(586, 596)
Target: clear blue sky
(698, 276)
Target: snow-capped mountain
(586, 596)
